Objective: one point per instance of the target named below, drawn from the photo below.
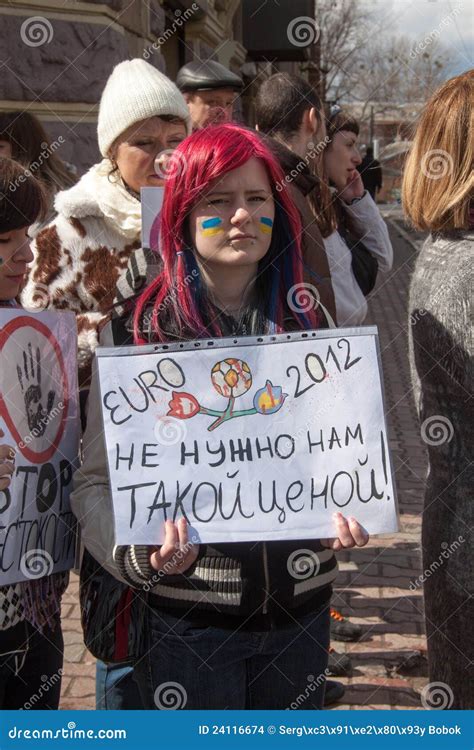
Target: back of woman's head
(200, 160)
(22, 198)
(31, 147)
(438, 181)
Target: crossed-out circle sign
(34, 388)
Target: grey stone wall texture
(50, 60)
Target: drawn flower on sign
(183, 406)
(231, 378)
(269, 399)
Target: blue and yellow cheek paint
(266, 225)
(211, 227)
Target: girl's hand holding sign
(351, 534)
(177, 553)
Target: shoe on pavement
(342, 629)
(333, 692)
(339, 665)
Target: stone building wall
(55, 56)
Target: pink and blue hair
(205, 156)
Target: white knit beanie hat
(134, 91)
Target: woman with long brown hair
(438, 191)
(24, 139)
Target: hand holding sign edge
(177, 553)
(351, 534)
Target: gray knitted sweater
(441, 349)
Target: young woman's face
(15, 254)
(341, 158)
(140, 145)
(232, 224)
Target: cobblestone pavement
(373, 586)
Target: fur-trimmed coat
(81, 255)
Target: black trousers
(31, 679)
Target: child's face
(15, 254)
(232, 224)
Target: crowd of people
(300, 175)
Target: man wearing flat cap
(210, 90)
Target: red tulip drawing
(183, 406)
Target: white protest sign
(151, 199)
(39, 416)
(264, 440)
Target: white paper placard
(263, 440)
(151, 202)
(39, 416)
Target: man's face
(210, 107)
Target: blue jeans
(115, 688)
(192, 666)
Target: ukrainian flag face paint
(232, 223)
(266, 225)
(211, 227)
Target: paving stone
(82, 687)
(74, 653)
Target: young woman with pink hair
(228, 622)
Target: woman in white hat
(82, 254)
(84, 251)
